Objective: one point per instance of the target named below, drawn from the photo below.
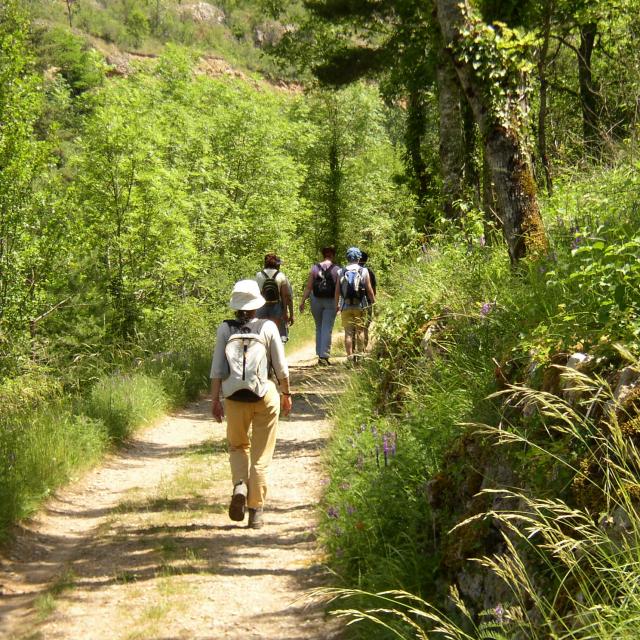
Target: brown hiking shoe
(255, 518)
(238, 502)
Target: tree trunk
(499, 120)
(416, 125)
(544, 85)
(470, 141)
(452, 152)
(333, 195)
(491, 219)
(588, 94)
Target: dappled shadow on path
(124, 543)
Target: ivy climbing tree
(492, 73)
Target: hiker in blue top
(353, 293)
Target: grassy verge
(406, 465)
(46, 436)
(302, 332)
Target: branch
(34, 321)
(563, 89)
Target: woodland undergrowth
(465, 447)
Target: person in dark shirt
(368, 308)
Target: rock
(426, 342)
(119, 64)
(270, 33)
(577, 362)
(551, 378)
(202, 12)
(629, 380)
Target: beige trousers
(251, 433)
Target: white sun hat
(246, 296)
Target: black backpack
(324, 286)
(270, 289)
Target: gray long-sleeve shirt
(275, 351)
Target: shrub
(80, 67)
(488, 326)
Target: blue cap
(353, 253)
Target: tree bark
(470, 141)
(491, 219)
(416, 125)
(544, 85)
(503, 136)
(588, 94)
(334, 182)
(452, 151)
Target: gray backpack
(247, 356)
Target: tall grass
(125, 402)
(573, 571)
(488, 328)
(39, 450)
(47, 435)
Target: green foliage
(81, 67)
(500, 57)
(124, 402)
(40, 448)
(20, 162)
(457, 324)
(351, 169)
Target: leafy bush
(458, 325)
(124, 402)
(81, 67)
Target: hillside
(237, 32)
(481, 478)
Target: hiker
(320, 287)
(245, 349)
(275, 289)
(368, 307)
(353, 291)
(279, 261)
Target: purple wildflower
(350, 510)
(324, 481)
(486, 309)
(577, 241)
(394, 444)
(498, 613)
(332, 512)
(385, 443)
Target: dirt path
(142, 547)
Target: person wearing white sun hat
(245, 349)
